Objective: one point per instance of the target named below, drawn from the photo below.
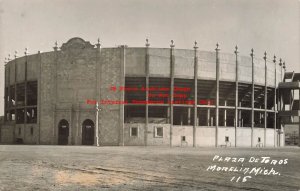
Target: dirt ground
(24, 167)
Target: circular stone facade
(146, 96)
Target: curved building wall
(207, 65)
(159, 65)
(79, 71)
(160, 62)
(245, 69)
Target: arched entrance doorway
(88, 132)
(63, 132)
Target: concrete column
(181, 119)
(121, 122)
(260, 117)
(70, 127)
(39, 99)
(291, 99)
(80, 127)
(77, 142)
(195, 93)
(217, 92)
(169, 115)
(54, 130)
(236, 94)
(299, 133)
(147, 92)
(266, 101)
(189, 116)
(280, 64)
(252, 98)
(25, 91)
(284, 70)
(275, 98)
(97, 126)
(172, 88)
(208, 116)
(239, 116)
(225, 115)
(16, 99)
(98, 94)
(7, 105)
(25, 103)
(280, 97)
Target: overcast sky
(264, 25)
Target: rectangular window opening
(182, 138)
(133, 131)
(159, 132)
(226, 139)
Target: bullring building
(146, 96)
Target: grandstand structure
(85, 94)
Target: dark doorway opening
(88, 132)
(63, 132)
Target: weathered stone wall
(179, 131)
(152, 140)
(7, 134)
(32, 67)
(20, 66)
(28, 137)
(258, 133)
(12, 66)
(206, 65)
(135, 61)
(245, 69)
(80, 71)
(159, 62)
(205, 136)
(184, 63)
(134, 140)
(7, 71)
(270, 137)
(111, 116)
(227, 66)
(226, 132)
(244, 137)
(75, 74)
(46, 96)
(259, 71)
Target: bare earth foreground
(24, 167)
